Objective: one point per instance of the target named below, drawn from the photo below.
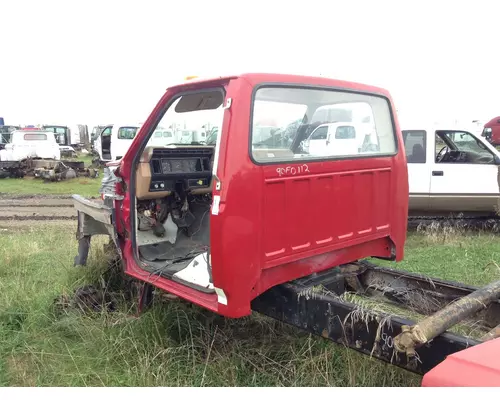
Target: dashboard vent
(156, 167)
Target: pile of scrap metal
(48, 170)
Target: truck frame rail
(316, 304)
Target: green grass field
(30, 185)
(172, 344)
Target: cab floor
(185, 261)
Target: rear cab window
(35, 136)
(415, 142)
(298, 115)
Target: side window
(415, 145)
(463, 147)
(283, 117)
(320, 133)
(107, 131)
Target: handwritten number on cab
(290, 170)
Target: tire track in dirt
(33, 208)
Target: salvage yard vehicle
(338, 138)
(35, 151)
(451, 170)
(70, 138)
(237, 226)
(163, 137)
(96, 131)
(30, 143)
(113, 141)
(491, 131)
(6, 134)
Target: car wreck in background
(70, 138)
(5, 134)
(35, 152)
(113, 141)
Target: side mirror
(497, 160)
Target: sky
(95, 62)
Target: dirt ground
(23, 211)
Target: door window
(106, 131)
(461, 147)
(320, 133)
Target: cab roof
(299, 80)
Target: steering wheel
(441, 154)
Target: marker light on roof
(188, 78)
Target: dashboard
(161, 170)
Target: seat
(417, 154)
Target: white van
(114, 140)
(27, 143)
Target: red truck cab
(491, 131)
(219, 224)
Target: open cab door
(220, 222)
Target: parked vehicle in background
(31, 143)
(96, 131)
(163, 137)
(6, 134)
(114, 141)
(338, 139)
(491, 131)
(451, 170)
(70, 138)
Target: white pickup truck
(451, 170)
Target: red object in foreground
(478, 366)
(492, 131)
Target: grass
(30, 185)
(173, 343)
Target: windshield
(184, 126)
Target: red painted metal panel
(307, 212)
(478, 366)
